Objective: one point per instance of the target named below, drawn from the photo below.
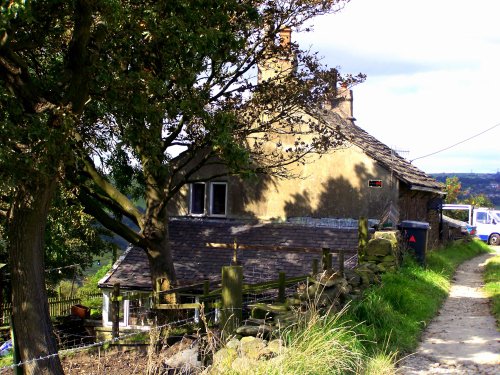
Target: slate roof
(405, 171)
(295, 247)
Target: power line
(456, 144)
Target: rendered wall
(335, 185)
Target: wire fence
(81, 342)
(74, 342)
(98, 344)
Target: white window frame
(191, 191)
(106, 308)
(211, 200)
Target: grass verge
(492, 286)
(392, 316)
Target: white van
(488, 225)
(486, 221)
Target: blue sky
(433, 70)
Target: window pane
(121, 313)
(139, 307)
(219, 199)
(198, 198)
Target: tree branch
(94, 209)
(78, 55)
(110, 203)
(121, 200)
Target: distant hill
(477, 183)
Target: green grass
(392, 316)
(323, 345)
(6, 360)
(381, 364)
(492, 285)
(320, 345)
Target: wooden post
(60, 299)
(16, 355)
(341, 263)
(157, 298)
(362, 236)
(206, 292)
(329, 261)
(115, 310)
(324, 257)
(281, 287)
(232, 299)
(234, 261)
(206, 288)
(315, 267)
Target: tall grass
(492, 285)
(318, 345)
(322, 345)
(381, 364)
(395, 313)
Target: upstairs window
(197, 199)
(214, 194)
(218, 198)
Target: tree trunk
(161, 264)
(30, 309)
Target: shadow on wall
(251, 190)
(343, 198)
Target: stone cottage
(362, 178)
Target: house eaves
(402, 169)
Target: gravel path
(462, 339)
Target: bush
(90, 288)
(90, 283)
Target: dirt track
(463, 338)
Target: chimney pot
(285, 36)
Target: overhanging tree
(72, 240)
(98, 89)
(46, 53)
(180, 94)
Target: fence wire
(255, 275)
(178, 323)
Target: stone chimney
(286, 37)
(341, 103)
(275, 65)
(344, 102)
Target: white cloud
(433, 75)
